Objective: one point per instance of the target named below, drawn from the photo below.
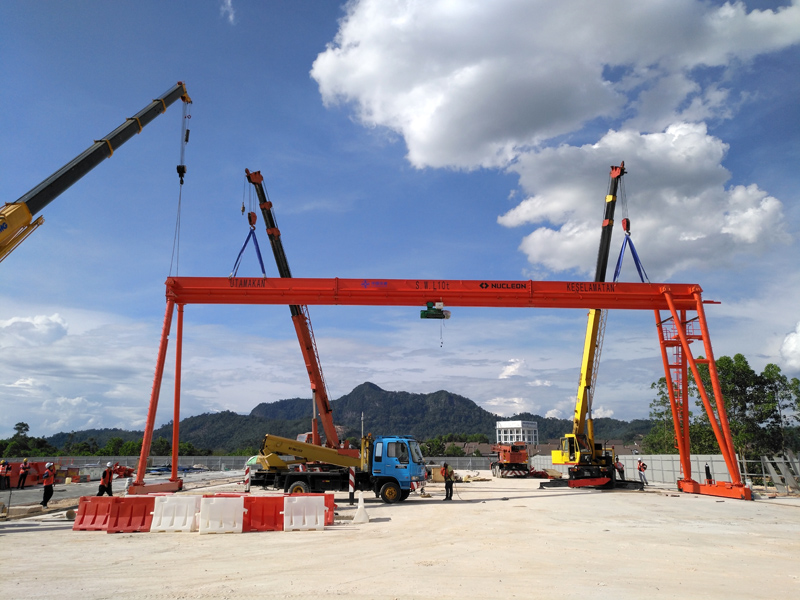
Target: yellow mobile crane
(16, 218)
(590, 464)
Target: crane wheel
(390, 492)
(299, 487)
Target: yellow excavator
(589, 463)
(17, 218)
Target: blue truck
(389, 466)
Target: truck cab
(395, 463)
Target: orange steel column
(151, 412)
(176, 419)
(680, 424)
(733, 468)
(685, 396)
(721, 438)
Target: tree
(131, 448)
(160, 447)
(434, 447)
(188, 449)
(780, 396)
(661, 437)
(113, 447)
(21, 430)
(14, 449)
(453, 450)
(756, 406)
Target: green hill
(424, 416)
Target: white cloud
(601, 413)
(540, 383)
(506, 407)
(69, 413)
(467, 86)
(682, 215)
(466, 83)
(554, 413)
(512, 368)
(790, 349)
(39, 330)
(226, 10)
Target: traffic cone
(361, 512)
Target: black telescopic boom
(273, 232)
(608, 223)
(49, 189)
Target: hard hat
(640, 460)
(24, 460)
(48, 465)
(108, 464)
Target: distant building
(517, 431)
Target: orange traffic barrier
(131, 514)
(93, 512)
(263, 513)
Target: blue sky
(429, 139)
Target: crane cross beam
(417, 292)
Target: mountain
(423, 416)
(401, 413)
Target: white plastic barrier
(175, 513)
(221, 515)
(303, 513)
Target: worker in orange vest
(641, 467)
(5, 480)
(448, 475)
(48, 480)
(620, 469)
(23, 474)
(105, 481)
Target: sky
(397, 139)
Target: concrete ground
(497, 539)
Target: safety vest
(24, 468)
(641, 466)
(108, 475)
(447, 473)
(49, 476)
(3, 469)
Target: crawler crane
(590, 464)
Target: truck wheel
(404, 494)
(299, 487)
(390, 492)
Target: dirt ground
(497, 539)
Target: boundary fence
(212, 463)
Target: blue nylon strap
(639, 266)
(261, 262)
(258, 252)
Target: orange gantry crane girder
(677, 330)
